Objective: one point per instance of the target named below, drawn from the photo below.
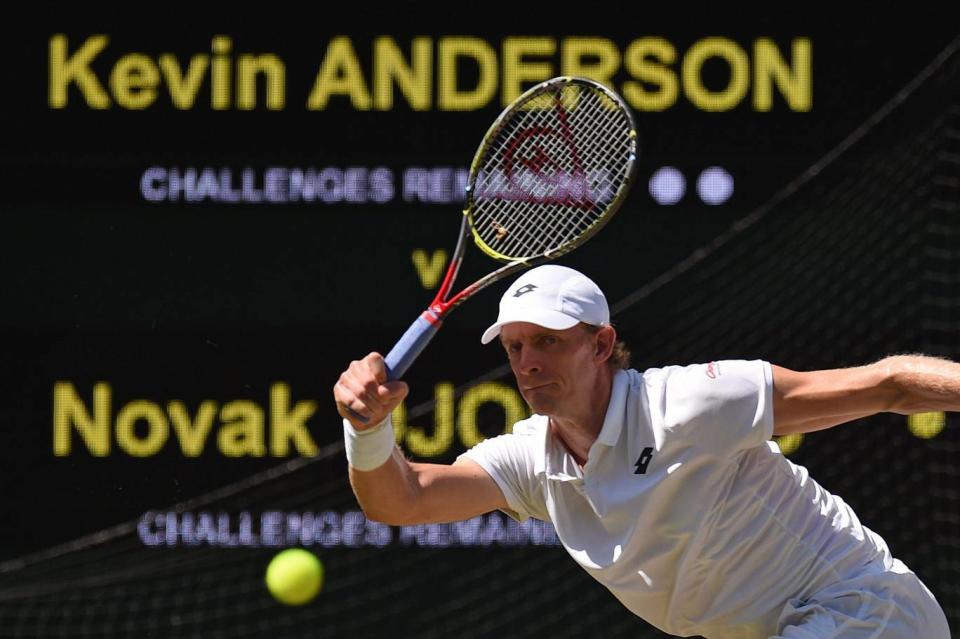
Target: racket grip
(409, 347)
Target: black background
(176, 301)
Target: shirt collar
(616, 410)
(559, 463)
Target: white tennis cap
(551, 296)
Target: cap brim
(554, 320)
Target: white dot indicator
(667, 185)
(715, 185)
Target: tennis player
(664, 484)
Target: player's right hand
(364, 389)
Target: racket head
(551, 171)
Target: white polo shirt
(684, 510)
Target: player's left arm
(905, 384)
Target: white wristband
(368, 449)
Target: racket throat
(434, 314)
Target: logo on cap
(526, 288)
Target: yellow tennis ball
(294, 576)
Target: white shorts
(879, 604)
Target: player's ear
(605, 338)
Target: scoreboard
(204, 225)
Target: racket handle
(409, 347)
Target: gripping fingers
(363, 394)
(354, 415)
(370, 410)
(354, 402)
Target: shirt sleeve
(725, 407)
(510, 462)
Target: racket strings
(553, 213)
(593, 152)
(517, 220)
(552, 171)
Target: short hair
(620, 357)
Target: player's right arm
(399, 492)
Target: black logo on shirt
(644, 461)
(526, 288)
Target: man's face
(554, 369)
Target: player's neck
(578, 431)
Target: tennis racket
(550, 172)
